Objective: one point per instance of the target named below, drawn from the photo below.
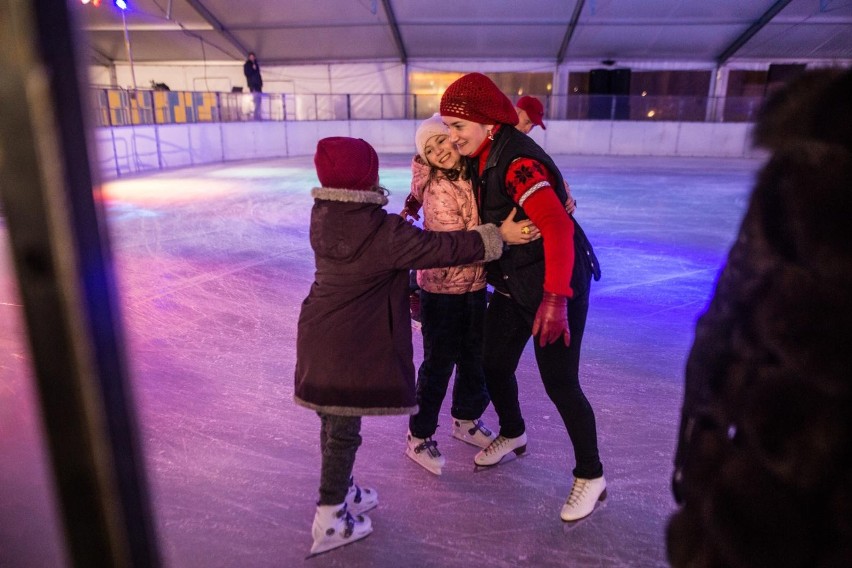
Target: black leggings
(452, 339)
(507, 331)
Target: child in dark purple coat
(354, 355)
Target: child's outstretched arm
(411, 247)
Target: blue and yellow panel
(168, 107)
(164, 103)
(117, 107)
(102, 107)
(140, 108)
(121, 108)
(205, 106)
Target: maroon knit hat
(346, 163)
(534, 109)
(475, 97)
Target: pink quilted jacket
(447, 206)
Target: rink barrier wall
(131, 150)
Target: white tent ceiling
(321, 31)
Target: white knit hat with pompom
(430, 127)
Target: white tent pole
(129, 50)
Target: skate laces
(348, 520)
(355, 488)
(350, 525)
(428, 445)
(495, 446)
(478, 425)
(578, 490)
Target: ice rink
(213, 264)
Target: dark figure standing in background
(763, 469)
(251, 69)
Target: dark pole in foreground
(64, 273)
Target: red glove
(551, 320)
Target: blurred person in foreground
(763, 469)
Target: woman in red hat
(541, 289)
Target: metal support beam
(61, 257)
(217, 25)
(569, 33)
(397, 37)
(767, 16)
(102, 59)
(99, 58)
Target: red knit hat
(475, 97)
(346, 163)
(534, 109)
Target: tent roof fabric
(562, 31)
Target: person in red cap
(354, 355)
(541, 289)
(530, 114)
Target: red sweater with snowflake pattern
(530, 185)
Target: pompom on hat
(534, 109)
(475, 97)
(346, 163)
(432, 126)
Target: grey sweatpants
(339, 440)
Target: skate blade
(430, 468)
(510, 457)
(334, 546)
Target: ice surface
(213, 264)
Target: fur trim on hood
(349, 195)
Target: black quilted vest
(520, 271)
